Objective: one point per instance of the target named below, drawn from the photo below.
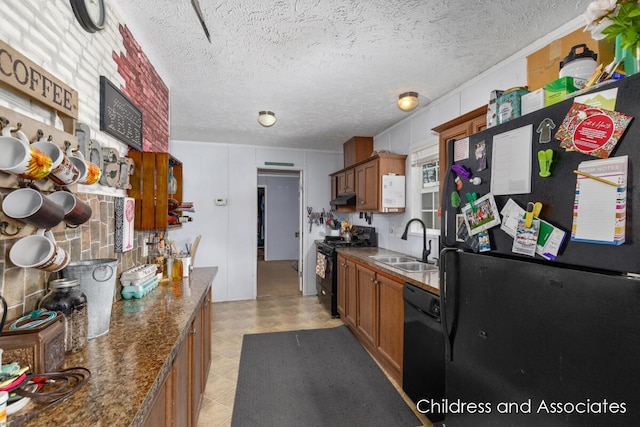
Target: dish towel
(321, 262)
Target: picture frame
(484, 216)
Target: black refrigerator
(532, 341)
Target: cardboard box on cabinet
(543, 66)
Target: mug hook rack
(3, 229)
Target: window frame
(420, 156)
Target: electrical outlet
(392, 231)
(145, 247)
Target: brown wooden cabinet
(390, 332)
(373, 308)
(159, 415)
(357, 149)
(196, 367)
(346, 183)
(369, 180)
(150, 188)
(180, 376)
(347, 293)
(180, 398)
(467, 124)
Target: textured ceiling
(329, 69)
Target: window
(426, 180)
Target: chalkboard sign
(119, 117)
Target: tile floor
(231, 320)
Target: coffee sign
(22, 74)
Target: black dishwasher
(423, 360)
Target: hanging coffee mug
(32, 207)
(63, 171)
(39, 251)
(89, 172)
(21, 159)
(76, 211)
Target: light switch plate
(221, 202)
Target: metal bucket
(97, 279)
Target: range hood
(344, 200)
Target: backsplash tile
(24, 287)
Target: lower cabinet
(178, 401)
(157, 416)
(374, 310)
(347, 296)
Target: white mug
(63, 171)
(21, 159)
(89, 172)
(39, 251)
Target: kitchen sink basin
(414, 266)
(392, 259)
(404, 263)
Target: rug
(319, 377)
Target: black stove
(327, 263)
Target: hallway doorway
(278, 228)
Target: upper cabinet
(366, 189)
(357, 149)
(467, 124)
(157, 178)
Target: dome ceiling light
(408, 101)
(266, 118)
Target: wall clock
(91, 14)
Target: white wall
(229, 238)
(47, 33)
(282, 217)
(415, 131)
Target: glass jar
(65, 296)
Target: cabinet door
(389, 340)
(347, 296)
(351, 307)
(180, 386)
(158, 415)
(334, 186)
(367, 186)
(366, 304)
(342, 286)
(195, 347)
(206, 339)
(350, 181)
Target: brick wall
(48, 34)
(146, 89)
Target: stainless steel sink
(392, 259)
(404, 263)
(414, 266)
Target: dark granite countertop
(427, 280)
(131, 361)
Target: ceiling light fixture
(408, 101)
(266, 118)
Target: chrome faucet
(425, 251)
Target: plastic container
(509, 104)
(580, 64)
(65, 296)
(97, 278)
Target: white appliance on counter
(393, 189)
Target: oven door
(326, 286)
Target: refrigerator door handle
(448, 353)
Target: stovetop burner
(365, 237)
